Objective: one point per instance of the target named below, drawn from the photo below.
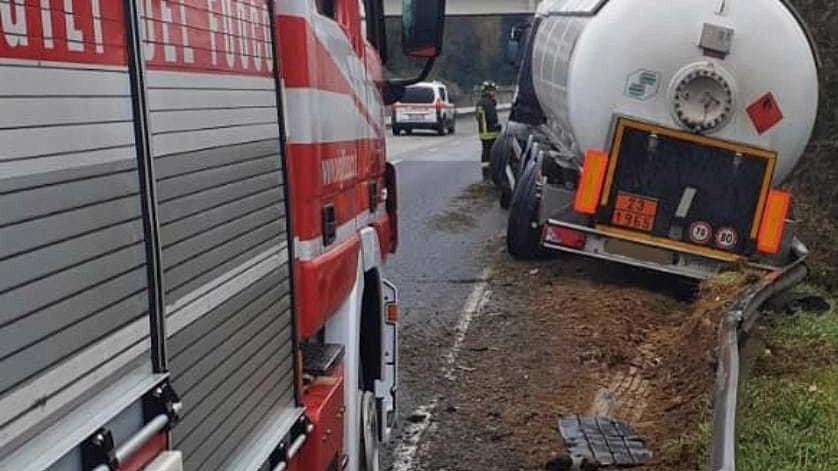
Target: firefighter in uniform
(487, 123)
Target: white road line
(474, 303)
(408, 447)
(407, 450)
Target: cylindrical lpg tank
(738, 70)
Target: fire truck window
(326, 8)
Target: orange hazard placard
(765, 113)
(635, 212)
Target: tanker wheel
(523, 235)
(370, 445)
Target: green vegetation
(790, 423)
(789, 406)
(474, 50)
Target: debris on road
(568, 463)
(811, 304)
(604, 441)
(460, 214)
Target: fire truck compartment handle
(294, 448)
(152, 428)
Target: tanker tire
(501, 152)
(505, 198)
(498, 159)
(370, 446)
(523, 241)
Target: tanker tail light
(590, 182)
(564, 237)
(773, 222)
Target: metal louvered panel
(73, 276)
(108, 162)
(223, 232)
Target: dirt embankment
(813, 183)
(572, 337)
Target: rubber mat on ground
(606, 441)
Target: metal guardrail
(470, 110)
(735, 324)
(464, 111)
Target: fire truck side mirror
(516, 43)
(423, 25)
(513, 51)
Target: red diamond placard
(765, 113)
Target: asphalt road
(447, 218)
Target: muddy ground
(572, 336)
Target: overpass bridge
(474, 7)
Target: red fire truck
(195, 207)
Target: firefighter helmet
(488, 87)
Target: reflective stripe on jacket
(486, 132)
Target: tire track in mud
(574, 336)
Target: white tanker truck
(657, 132)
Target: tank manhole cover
(607, 441)
(703, 99)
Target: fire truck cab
(195, 207)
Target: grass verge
(789, 406)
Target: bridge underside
(474, 7)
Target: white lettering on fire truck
(16, 32)
(340, 168)
(178, 34)
(232, 23)
(14, 23)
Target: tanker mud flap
(599, 442)
(386, 388)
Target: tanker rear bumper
(602, 245)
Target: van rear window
(418, 95)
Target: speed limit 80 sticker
(726, 238)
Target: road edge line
(407, 450)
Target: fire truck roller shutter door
(73, 285)
(223, 227)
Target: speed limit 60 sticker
(727, 238)
(701, 232)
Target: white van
(426, 105)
